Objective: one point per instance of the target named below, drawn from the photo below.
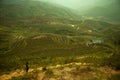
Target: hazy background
(105, 10)
(83, 4)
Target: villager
(27, 67)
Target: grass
(45, 37)
(61, 54)
(53, 49)
(114, 77)
(54, 52)
(72, 71)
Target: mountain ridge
(108, 12)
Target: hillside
(28, 12)
(108, 13)
(46, 34)
(36, 16)
(31, 17)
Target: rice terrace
(59, 40)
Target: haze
(81, 4)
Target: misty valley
(45, 40)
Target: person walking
(27, 67)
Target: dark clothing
(27, 67)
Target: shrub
(115, 77)
(114, 60)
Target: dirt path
(15, 73)
(21, 72)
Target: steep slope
(32, 17)
(25, 17)
(23, 12)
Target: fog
(82, 4)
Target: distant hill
(36, 16)
(28, 18)
(108, 12)
(16, 11)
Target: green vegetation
(46, 34)
(115, 77)
(114, 60)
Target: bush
(115, 77)
(18, 78)
(44, 69)
(114, 60)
